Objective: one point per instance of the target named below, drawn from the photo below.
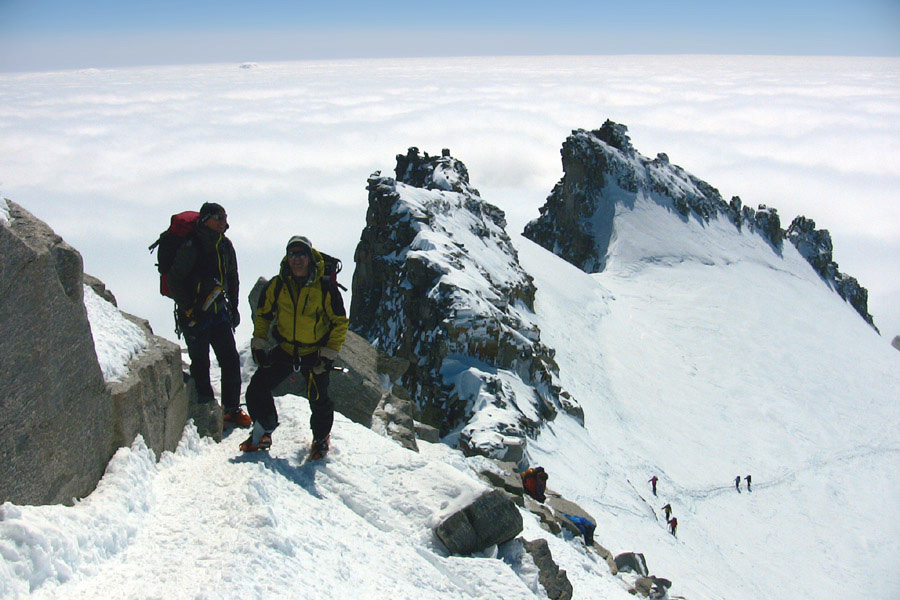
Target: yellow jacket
(308, 315)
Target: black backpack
(333, 266)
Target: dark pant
(220, 337)
(261, 403)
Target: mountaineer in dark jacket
(204, 282)
(304, 312)
(673, 526)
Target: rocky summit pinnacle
(438, 283)
(604, 175)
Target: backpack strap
(279, 284)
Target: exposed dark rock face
(602, 171)
(438, 283)
(815, 246)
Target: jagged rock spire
(438, 283)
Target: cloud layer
(104, 156)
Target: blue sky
(60, 34)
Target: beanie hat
(209, 209)
(301, 241)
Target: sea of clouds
(106, 155)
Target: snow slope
(701, 354)
(209, 522)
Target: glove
(235, 315)
(188, 318)
(258, 351)
(326, 360)
(261, 358)
(323, 366)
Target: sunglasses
(218, 217)
(297, 253)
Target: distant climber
(673, 525)
(310, 325)
(203, 280)
(534, 481)
(737, 483)
(747, 478)
(653, 481)
(667, 509)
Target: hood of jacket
(315, 274)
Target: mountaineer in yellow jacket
(304, 312)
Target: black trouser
(261, 403)
(221, 338)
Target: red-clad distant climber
(673, 525)
(534, 481)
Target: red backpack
(182, 225)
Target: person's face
(217, 222)
(298, 260)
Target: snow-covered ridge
(616, 209)
(438, 282)
(116, 339)
(204, 522)
(4, 211)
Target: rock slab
(492, 519)
(56, 415)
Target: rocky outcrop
(438, 283)
(633, 562)
(602, 171)
(896, 342)
(151, 400)
(393, 418)
(815, 246)
(553, 579)
(652, 587)
(492, 519)
(51, 376)
(60, 421)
